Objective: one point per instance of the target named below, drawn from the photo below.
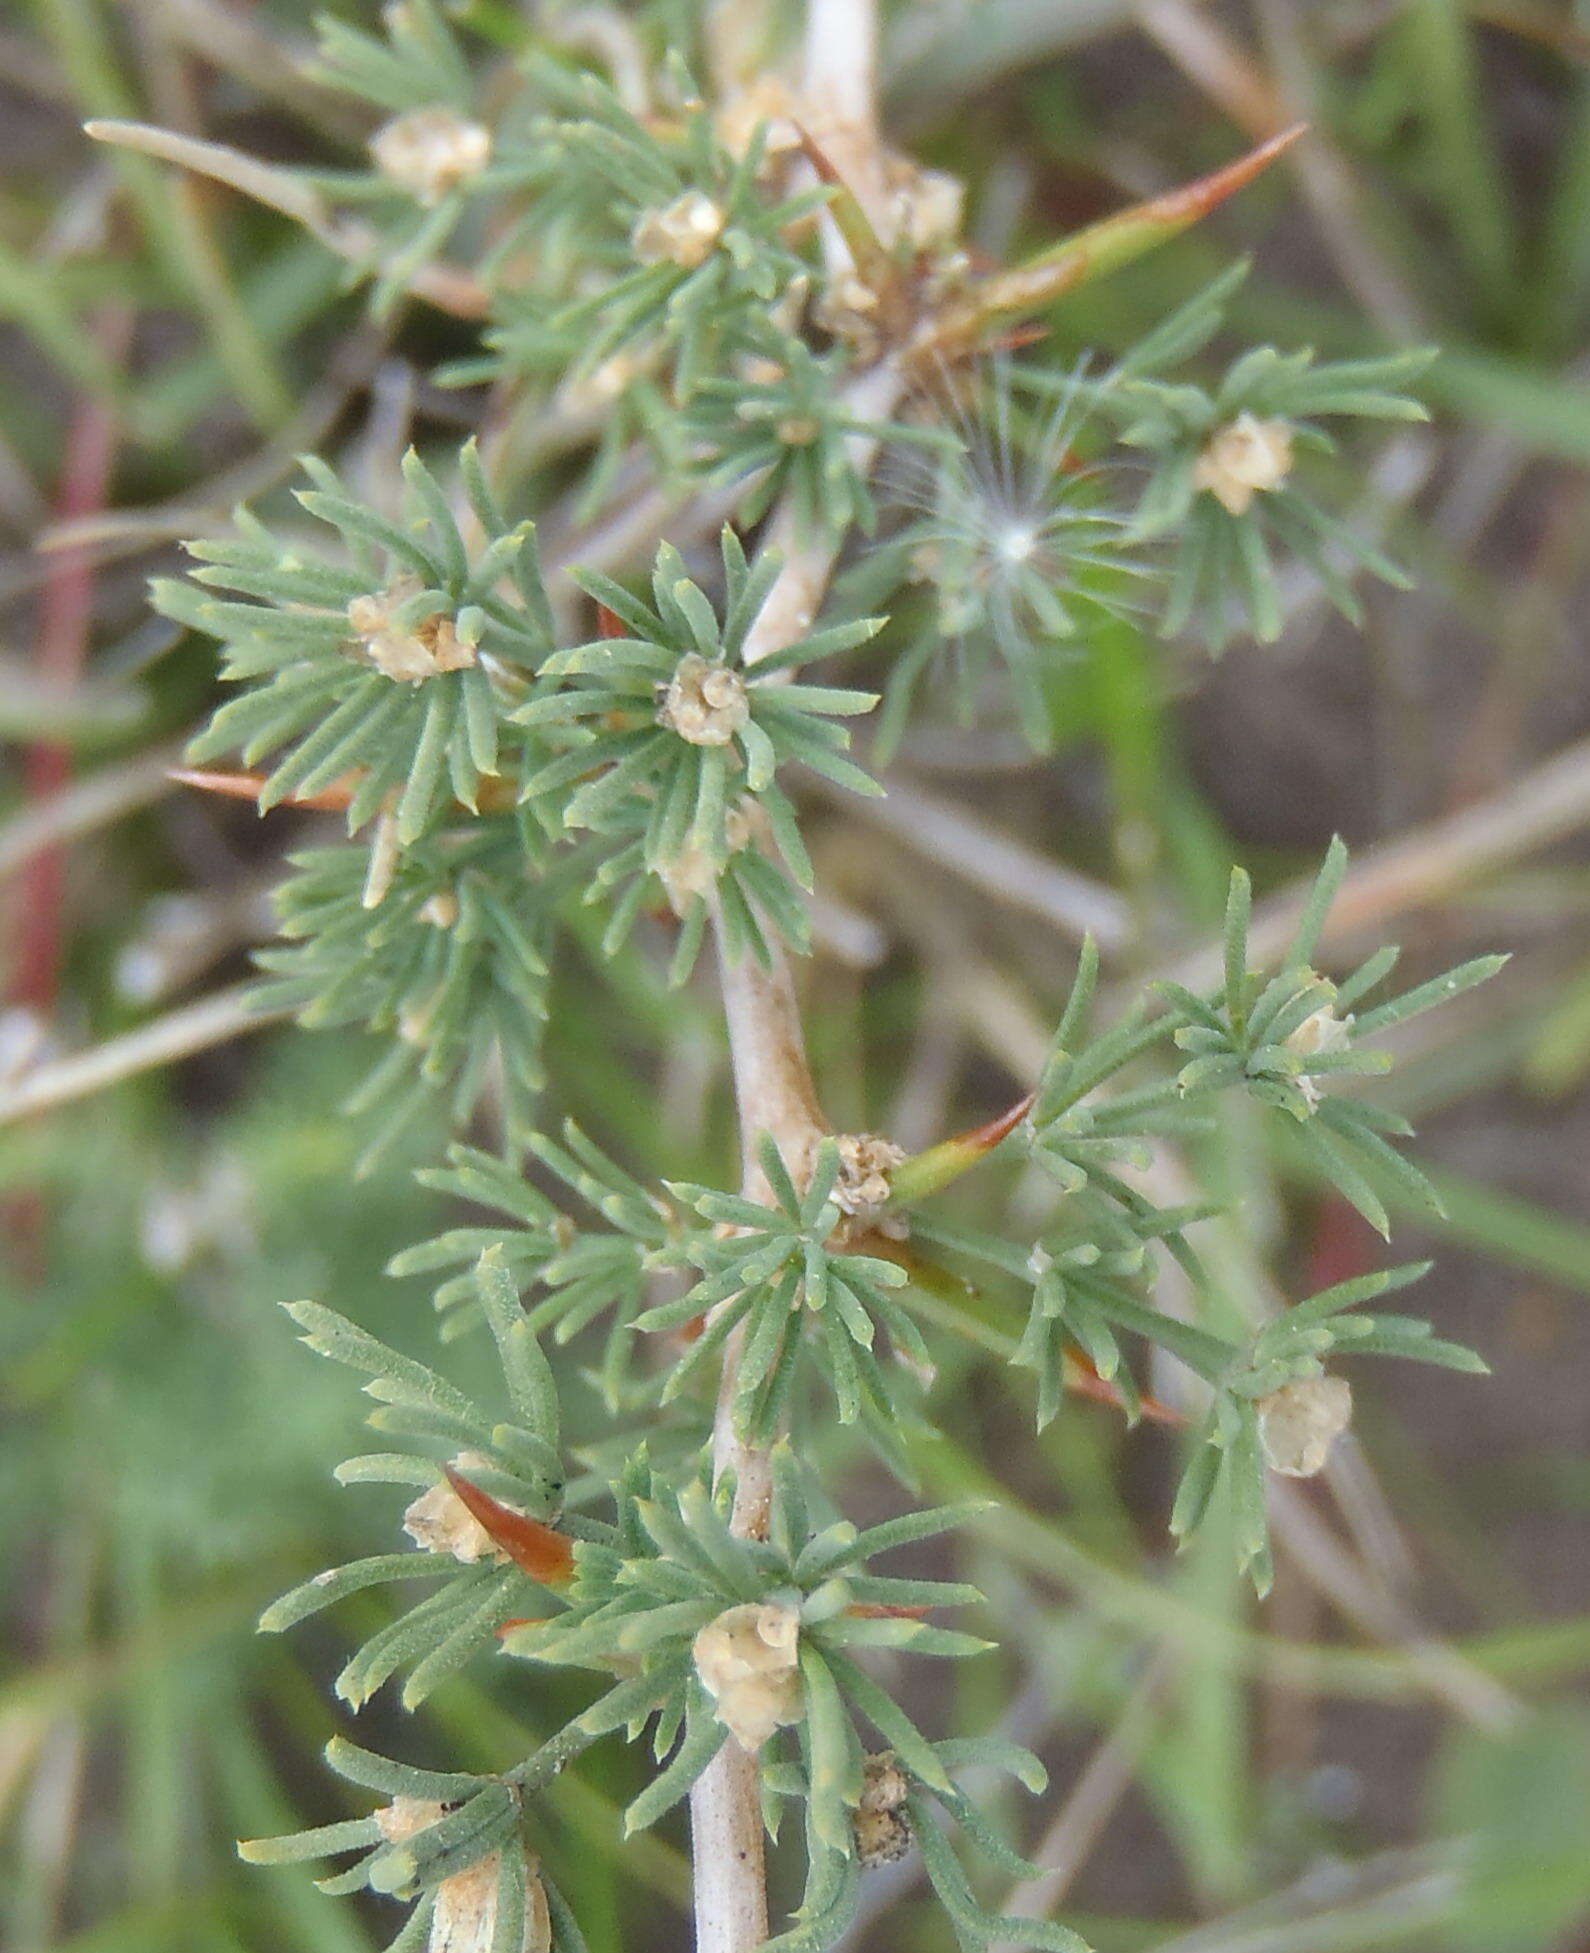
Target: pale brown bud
(408, 654)
(430, 151)
(865, 1164)
(683, 233)
(1320, 1032)
(439, 1522)
(405, 1817)
(749, 1663)
(847, 307)
(693, 872)
(882, 1826)
(705, 703)
(768, 102)
(465, 1918)
(926, 206)
(1300, 1422)
(1246, 457)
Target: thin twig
(1393, 1898)
(1002, 867)
(92, 802)
(64, 628)
(444, 286)
(773, 1095)
(1104, 1781)
(179, 1034)
(1335, 1572)
(1429, 864)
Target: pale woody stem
(808, 559)
(773, 1090)
(772, 1085)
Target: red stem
(66, 614)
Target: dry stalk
(772, 1085)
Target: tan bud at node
(1246, 457)
(405, 1817)
(865, 1164)
(703, 702)
(882, 1826)
(1300, 1422)
(430, 151)
(439, 1522)
(406, 653)
(768, 103)
(1321, 1032)
(465, 1918)
(692, 874)
(683, 233)
(749, 1663)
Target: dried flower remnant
(406, 1817)
(865, 1164)
(749, 1663)
(465, 1916)
(441, 909)
(768, 104)
(883, 1830)
(847, 307)
(406, 653)
(703, 702)
(683, 233)
(430, 152)
(439, 1522)
(1300, 1422)
(926, 207)
(1246, 457)
(692, 874)
(1319, 1034)
(464, 1919)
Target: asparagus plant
(794, 451)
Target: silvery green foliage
(395, 656)
(1283, 1037)
(1292, 1349)
(516, 1460)
(662, 726)
(468, 1826)
(680, 253)
(650, 291)
(767, 1270)
(1223, 573)
(451, 964)
(426, 162)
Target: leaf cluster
(468, 1829)
(1228, 1455)
(450, 965)
(606, 187)
(516, 1460)
(671, 1567)
(1283, 1038)
(1222, 562)
(666, 729)
(393, 659)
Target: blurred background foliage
(1392, 1750)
